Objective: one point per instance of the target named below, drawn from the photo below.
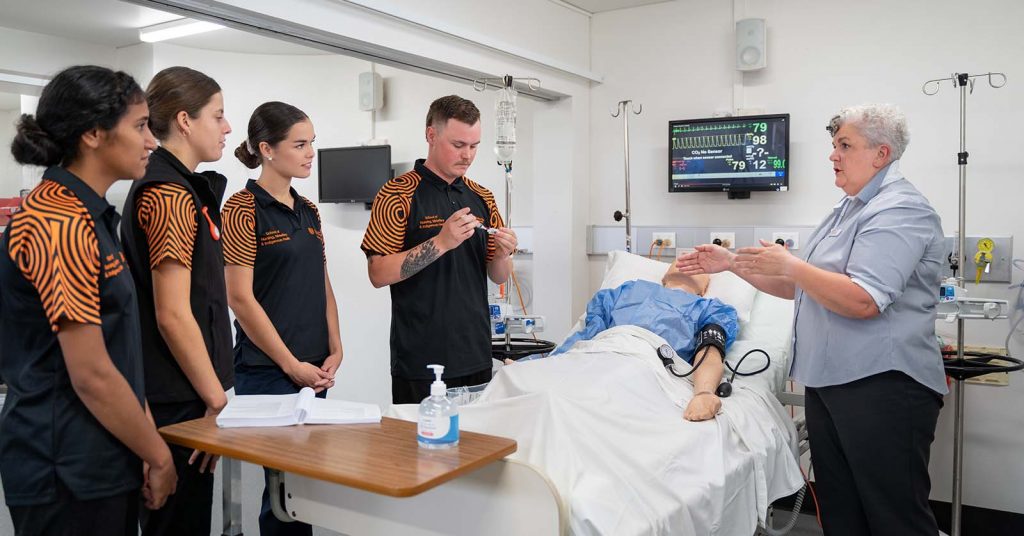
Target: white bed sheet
(604, 423)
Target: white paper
(259, 410)
(288, 410)
(330, 411)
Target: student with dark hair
(287, 318)
(423, 241)
(172, 237)
(76, 444)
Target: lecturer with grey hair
(864, 341)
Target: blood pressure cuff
(711, 335)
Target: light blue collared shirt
(888, 239)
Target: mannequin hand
(702, 407)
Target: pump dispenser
(438, 426)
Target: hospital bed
(602, 446)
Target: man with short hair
(428, 240)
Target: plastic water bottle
(438, 426)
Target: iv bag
(505, 125)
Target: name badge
(835, 232)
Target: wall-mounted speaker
(751, 49)
(371, 92)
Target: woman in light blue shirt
(864, 330)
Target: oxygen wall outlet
(668, 240)
(998, 269)
(727, 240)
(789, 240)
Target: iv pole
(622, 107)
(506, 148)
(962, 368)
(505, 145)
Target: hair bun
(33, 145)
(245, 156)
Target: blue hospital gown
(674, 315)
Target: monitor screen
(729, 154)
(353, 174)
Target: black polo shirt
(173, 214)
(440, 314)
(62, 261)
(285, 248)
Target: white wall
(10, 171)
(45, 55)
(677, 59)
(29, 174)
(42, 56)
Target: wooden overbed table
(375, 479)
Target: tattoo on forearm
(418, 258)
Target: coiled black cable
(667, 360)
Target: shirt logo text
(431, 222)
(272, 237)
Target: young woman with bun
(287, 318)
(77, 449)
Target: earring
(271, 158)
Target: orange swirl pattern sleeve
(53, 243)
(494, 217)
(389, 217)
(239, 217)
(167, 214)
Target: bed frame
(507, 497)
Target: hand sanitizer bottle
(439, 417)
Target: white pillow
(623, 266)
(726, 286)
(731, 289)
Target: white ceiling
(597, 6)
(115, 23)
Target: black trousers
(68, 516)
(271, 380)
(870, 442)
(405, 391)
(188, 510)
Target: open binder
(289, 410)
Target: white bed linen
(604, 422)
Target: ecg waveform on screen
(718, 126)
(715, 154)
(706, 142)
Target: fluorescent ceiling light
(175, 29)
(22, 79)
